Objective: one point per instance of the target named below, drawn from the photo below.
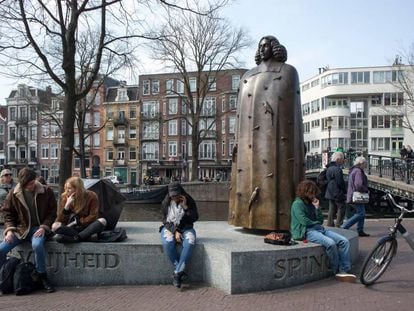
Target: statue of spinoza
(268, 155)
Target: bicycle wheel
(378, 261)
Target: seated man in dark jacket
(29, 211)
(179, 213)
(336, 190)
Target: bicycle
(379, 259)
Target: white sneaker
(345, 277)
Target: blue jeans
(358, 218)
(169, 245)
(337, 247)
(38, 245)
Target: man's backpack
(7, 274)
(322, 181)
(25, 278)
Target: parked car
(115, 179)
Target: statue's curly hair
(279, 52)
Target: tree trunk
(66, 150)
(82, 153)
(194, 151)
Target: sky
(319, 33)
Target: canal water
(207, 211)
(218, 211)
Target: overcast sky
(318, 33)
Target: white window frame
(172, 127)
(235, 81)
(146, 87)
(172, 106)
(172, 148)
(155, 87)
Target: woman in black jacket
(179, 213)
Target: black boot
(66, 234)
(62, 238)
(95, 227)
(177, 278)
(47, 287)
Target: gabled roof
(132, 92)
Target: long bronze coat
(268, 160)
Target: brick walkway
(394, 291)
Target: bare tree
(68, 42)
(200, 46)
(401, 104)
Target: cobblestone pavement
(394, 291)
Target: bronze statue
(268, 157)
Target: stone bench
(229, 258)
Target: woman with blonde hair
(77, 217)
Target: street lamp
(329, 121)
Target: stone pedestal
(229, 258)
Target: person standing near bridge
(336, 190)
(357, 181)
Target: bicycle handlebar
(402, 208)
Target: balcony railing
(22, 121)
(150, 136)
(22, 161)
(209, 133)
(21, 140)
(150, 115)
(120, 142)
(121, 162)
(120, 121)
(207, 155)
(397, 131)
(150, 156)
(33, 160)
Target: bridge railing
(394, 168)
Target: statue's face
(265, 49)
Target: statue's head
(277, 51)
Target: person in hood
(357, 181)
(29, 211)
(179, 213)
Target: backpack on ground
(114, 235)
(25, 278)
(7, 274)
(322, 181)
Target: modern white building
(359, 108)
